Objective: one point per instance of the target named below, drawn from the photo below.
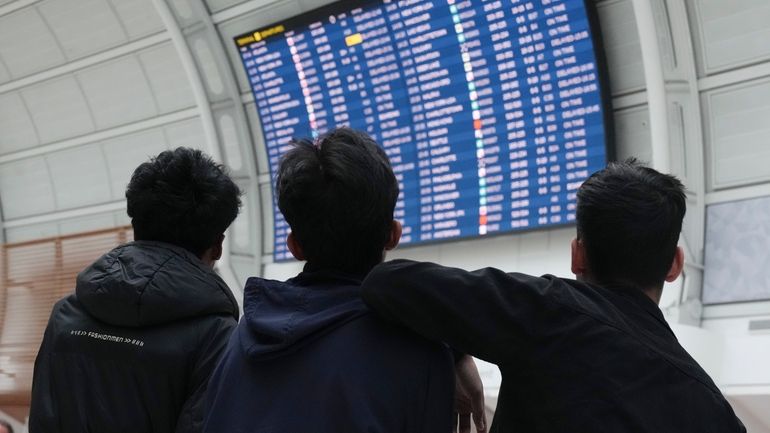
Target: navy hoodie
(309, 356)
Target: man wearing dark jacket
(133, 348)
(587, 356)
(309, 356)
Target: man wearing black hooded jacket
(590, 355)
(133, 348)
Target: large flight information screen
(492, 112)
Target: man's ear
(579, 261)
(676, 265)
(395, 235)
(216, 252)
(294, 247)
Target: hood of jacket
(146, 283)
(282, 317)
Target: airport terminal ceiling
(90, 88)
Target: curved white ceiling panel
(124, 154)
(5, 76)
(731, 33)
(17, 132)
(58, 109)
(25, 187)
(118, 92)
(83, 27)
(183, 10)
(188, 134)
(138, 16)
(218, 5)
(26, 43)
(169, 84)
(80, 176)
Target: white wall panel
(535, 253)
(83, 27)
(86, 224)
(244, 268)
(63, 227)
(31, 232)
(632, 134)
(282, 271)
(17, 132)
(230, 142)
(263, 164)
(737, 131)
(118, 92)
(124, 154)
(621, 45)
(266, 194)
(25, 187)
(188, 134)
(122, 218)
(139, 17)
(26, 44)
(58, 109)
(731, 33)
(79, 176)
(167, 78)
(737, 263)
(241, 236)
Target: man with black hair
(309, 356)
(133, 348)
(586, 356)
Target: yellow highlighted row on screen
(259, 35)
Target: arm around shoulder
(486, 313)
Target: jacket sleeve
(486, 313)
(213, 343)
(43, 413)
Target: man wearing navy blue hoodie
(309, 355)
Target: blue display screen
(492, 112)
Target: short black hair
(182, 197)
(338, 195)
(629, 218)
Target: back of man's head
(629, 218)
(338, 195)
(182, 197)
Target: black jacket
(132, 350)
(308, 356)
(574, 357)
